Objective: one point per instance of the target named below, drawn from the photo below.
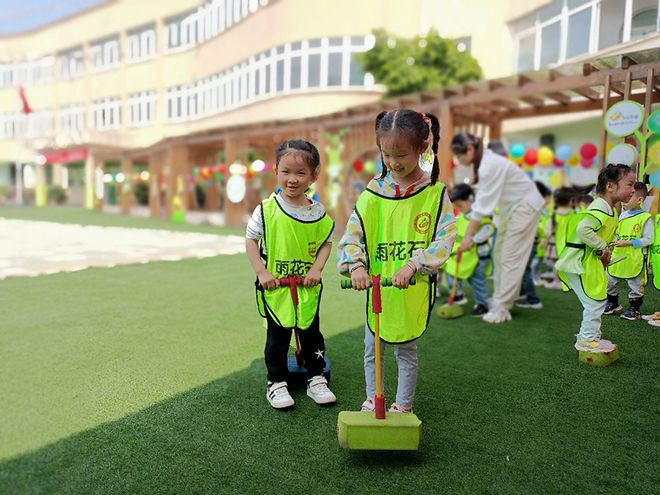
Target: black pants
(312, 348)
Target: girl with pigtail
(403, 227)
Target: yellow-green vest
(594, 278)
(291, 246)
(634, 263)
(655, 253)
(394, 228)
(540, 234)
(560, 227)
(469, 259)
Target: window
(643, 23)
(550, 37)
(72, 63)
(611, 22)
(334, 69)
(71, 118)
(579, 25)
(106, 114)
(141, 44)
(105, 53)
(141, 108)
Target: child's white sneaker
(598, 345)
(397, 408)
(317, 389)
(368, 405)
(278, 395)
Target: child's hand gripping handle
(376, 304)
(384, 282)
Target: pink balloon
(557, 163)
(588, 151)
(587, 162)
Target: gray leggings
(406, 360)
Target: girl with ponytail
(403, 227)
(504, 186)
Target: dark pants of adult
(528, 288)
(312, 347)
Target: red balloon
(221, 168)
(588, 151)
(587, 162)
(557, 163)
(531, 157)
(452, 165)
(358, 166)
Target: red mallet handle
(379, 400)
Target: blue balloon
(517, 150)
(654, 179)
(563, 153)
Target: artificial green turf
(72, 214)
(150, 379)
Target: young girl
(402, 227)
(289, 234)
(581, 264)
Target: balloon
(573, 160)
(531, 157)
(218, 176)
(587, 162)
(221, 168)
(653, 122)
(545, 155)
(654, 179)
(516, 159)
(370, 166)
(358, 166)
(195, 171)
(517, 150)
(557, 163)
(588, 151)
(564, 152)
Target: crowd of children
(408, 226)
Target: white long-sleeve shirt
(502, 184)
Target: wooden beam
(534, 101)
(603, 132)
(562, 98)
(588, 93)
(509, 104)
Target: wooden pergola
(479, 107)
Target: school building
(177, 99)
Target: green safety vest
(469, 259)
(634, 263)
(394, 228)
(540, 234)
(291, 247)
(559, 227)
(594, 279)
(655, 253)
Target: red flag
(26, 106)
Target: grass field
(150, 379)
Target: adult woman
(504, 186)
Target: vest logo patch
(422, 223)
(312, 248)
(637, 228)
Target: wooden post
(155, 167)
(177, 162)
(603, 132)
(90, 177)
(444, 148)
(127, 185)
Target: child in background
(528, 297)
(476, 262)
(289, 234)
(583, 202)
(582, 262)
(403, 226)
(634, 235)
(556, 231)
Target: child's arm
(266, 279)
(351, 255)
(645, 240)
(428, 261)
(586, 232)
(313, 276)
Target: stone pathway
(38, 248)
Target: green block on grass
(362, 431)
(598, 358)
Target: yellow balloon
(654, 153)
(545, 155)
(516, 160)
(573, 160)
(555, 180)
